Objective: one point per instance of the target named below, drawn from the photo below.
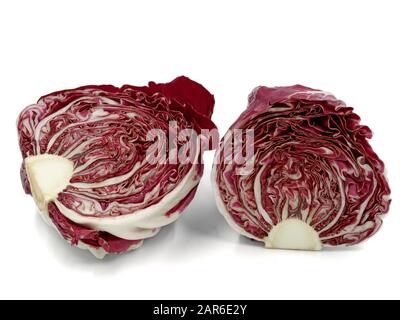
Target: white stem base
(48, 175)
(293, 234)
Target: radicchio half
(114, 198)
(315, 180)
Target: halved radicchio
(313, 180)
(86, 162)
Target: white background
(350, 48)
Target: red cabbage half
(313, 179)
(85, 162)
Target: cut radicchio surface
(85, 160)
(313, 179)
